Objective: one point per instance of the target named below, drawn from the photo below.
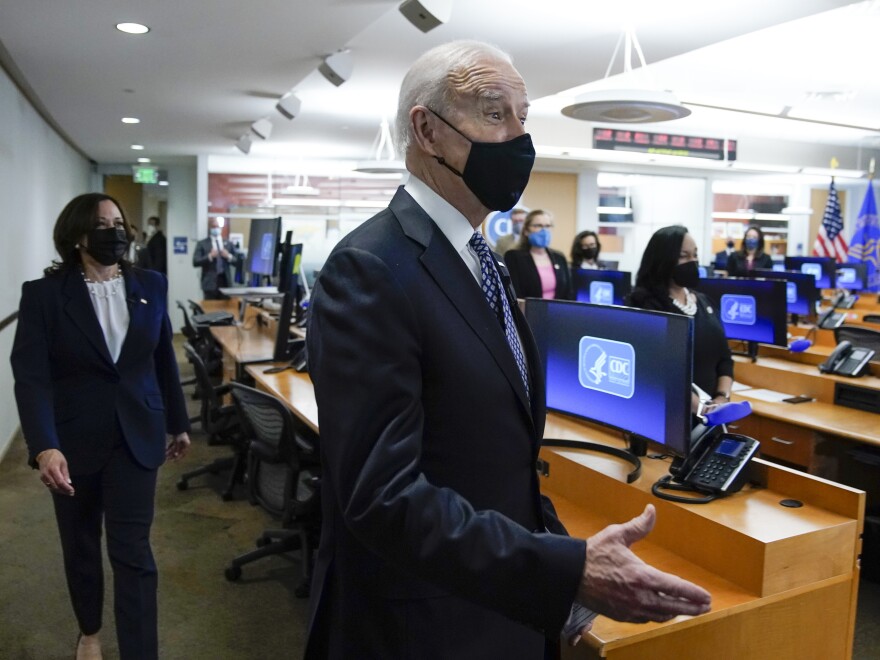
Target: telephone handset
(830, 319)
(847, 360)
(718, 461)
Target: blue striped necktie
(493, 289)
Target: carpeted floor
(201, 615)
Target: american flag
(830, 241)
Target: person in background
(98, 395)
(722, 257)
(157, 257)
(536, 270)
(436, 542)
(751, 256)
(215, 257)
(585, 251)
(667, 280)
(509, 241)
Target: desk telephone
(847, 360)
(718, 461)
(844, 300)
(830, 319)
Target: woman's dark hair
(577, 254)
(77, 219)
(659, 260)
(760, 249)
(523, 243)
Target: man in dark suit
(156, 247)
(435, 540)
(215, 256)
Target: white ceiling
(209, 68)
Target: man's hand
(177, 446)
(53, 472)
(619, 585)
(225, 254)
(213, 253)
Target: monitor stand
(751, 351)
(627, 455)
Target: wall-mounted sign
(180, 244)
(145, 174)
(665, 144)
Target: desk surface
(291, 387)
(244, 346)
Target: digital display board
(601, 287)
(750, 310)
(666, 144)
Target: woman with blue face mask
(750, 256)
(536, 270)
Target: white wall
(39, 174)
(183, 221)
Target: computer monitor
(263, 247)
(801, 294)
(750, 310)
(290, 265)
(626, 368)
(823, 269)
(852, 276)
(706, 271)
(601, 287)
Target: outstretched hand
(619, 585)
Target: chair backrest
(188, 330)
(195, 307)
(858, 336)
(278, 451)
(871, 318)
(211, 402)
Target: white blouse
(108, 299)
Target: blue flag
(865, 244)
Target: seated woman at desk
(537, 271)
(666, 282)
(750, 256)
(585, 251)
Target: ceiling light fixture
(131, 120)
(385, 161)
(143, 160)
(627, 106)
(289, 105)
(301, 186)
(244, 144)
(426, 14)
(132, 28)
(137, 147)
(337, 67)
(262, 128)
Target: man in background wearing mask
(157, 257)
(721, 257)
(509, 241)
(215, 257)
(436, 541)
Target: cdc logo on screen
(790, 292)
(812, 269)
(738, 309)
(607, 366)
(601, 293)
(846, 275)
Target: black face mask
(107, 245)
(686, 275)
(496, 172)
(590, 253)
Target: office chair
(283, 477)
(200, 338)
(222, 425)
(858, 335)
(195, 307)
(871, 318)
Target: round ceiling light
(131, 120)
(132, 28)
(626, 106)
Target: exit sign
(146, 174)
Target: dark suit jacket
(527, 282)
(736, 264)
(157, 255)
(209, 267)
(432, 543)
(69, 391)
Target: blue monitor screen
(852, 276)
(706, 271)
(263, 246)
(622, 367)
(801, 293)
(822, 268)
(601, 287)
(750, 310)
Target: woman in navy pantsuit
(97, 389)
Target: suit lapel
(451, 274)
(137, 301)
(78, 307)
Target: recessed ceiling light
(143, 160)
(163, 183)
(137, 147)
(132, 28)
(131, 120)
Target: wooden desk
(241, 347)
(784, 581)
